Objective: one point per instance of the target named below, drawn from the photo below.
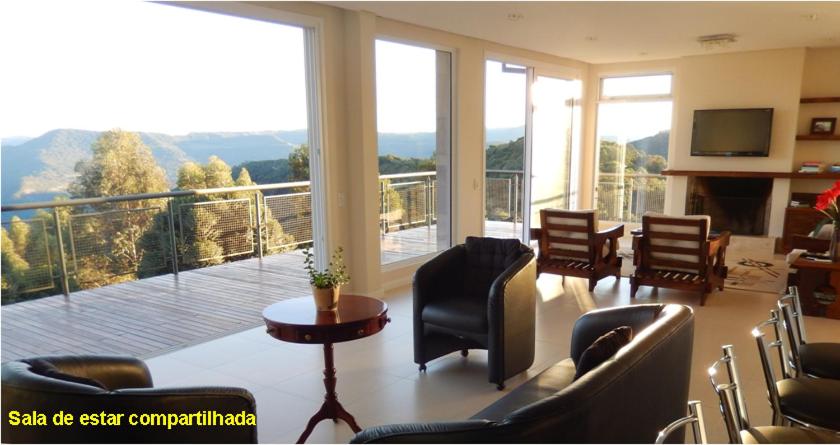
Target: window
(227, 103)
(634, 123)
(413, 98)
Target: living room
(567, 82)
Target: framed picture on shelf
(823, 125)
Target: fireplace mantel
(733, 174)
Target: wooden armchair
(677, 253)
(570, 245)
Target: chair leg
(634, 287)
(422, 368)
(500, 386)
(703, 295)
(464, 352)
(592, 283)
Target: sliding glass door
(531, 131)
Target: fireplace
(740, 205)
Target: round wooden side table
(298, 321)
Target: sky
(138, 66)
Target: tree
(191, 177)
(217, 173)
(244, 178)
(121, 165)
(299, 164)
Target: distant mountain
(45, 166)
(654, 145)
(495, 136)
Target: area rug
(745, 273)
(764, 275)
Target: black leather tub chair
(94, 384)
(478, 295)
(626, 399)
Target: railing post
(429, 202)
(259, 224)
(384, 208)
(515, 201)
(65, 284)
(173, 246)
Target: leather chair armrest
(187, 400)
(810, 244)
(440, 432)
(439, 271)
(115, 372)
(514, 274)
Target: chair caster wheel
(500, 386)
(464, 352)
(422, 368)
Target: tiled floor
(379, 383)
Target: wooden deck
(148, 317)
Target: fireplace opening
(740, 205)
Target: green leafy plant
(333, 276)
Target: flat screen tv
(732, 132)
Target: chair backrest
(791, 312)
(568, 234)
(764, 356)
(486, 259)
(733, 407)
(675, 243)
(694, 418)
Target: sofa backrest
(628, 398)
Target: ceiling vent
(716, 41)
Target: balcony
(145, 274)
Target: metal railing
(81, 243)
(626, 197)
(77, 244)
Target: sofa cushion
(545, 384)
(47, 369)
(603, 348)
(468, 314)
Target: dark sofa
(627, 399)
(127, 390)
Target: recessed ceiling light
(591, 38)
(515, 16)
(715, 41)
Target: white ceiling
(603, 32)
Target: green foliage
(299, 164)
(191, 177)
(333, 276)
(266, 172)
(507, 156)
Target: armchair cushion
(602, 349)
(469, 314)
(47, 369)
(486, 259)
(579, 222)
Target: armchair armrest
(438, 432)
(613, 232)
(536, 233)
(115, 372)
(809, 243)
(721, 242)
(223, 400)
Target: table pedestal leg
(331, 409)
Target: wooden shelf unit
(818, 100)
(818, 137)
(731, 174)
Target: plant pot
(326, 299)
(834, 246)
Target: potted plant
(827, 204)
(326, 284)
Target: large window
(413, 99)
(122, 98)
(634, 123)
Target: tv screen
(733, 132)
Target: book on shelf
(812, 167)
